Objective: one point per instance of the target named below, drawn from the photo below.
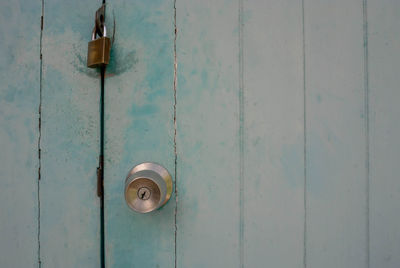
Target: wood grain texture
(19, 103)
(273, 134)
(139, 127)
(384, 80)
(208, 166)
(336, 141)
(69, 206)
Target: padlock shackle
(94, 32)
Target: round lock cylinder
(148, 186)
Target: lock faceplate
(148, 186)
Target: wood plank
(139, 127)
(208, 164)
(273, 134)
(69, 206)
(384, 80)
(336, 217)
(19, 132)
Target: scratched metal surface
(69, 206)
(19, 104)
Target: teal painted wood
(384, 80)
(139, 127)
(19, 103)
(336, 136)
(273, 134)
(244, 104)
(208, 166)
(69, 206)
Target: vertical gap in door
(366, 123)
(101, 168)
(101, 165)
(40, 131)
(175, 132)
(305, 140)
(241, 137)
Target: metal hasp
(99, 49)
(148, 186)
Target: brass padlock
(98, 50)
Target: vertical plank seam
(241, 137)
(40, 130)
(367, 134)
(101, 168)
(175, 133)
(305, 139)
(101, 163)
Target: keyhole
(143, 193)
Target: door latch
(148, 186)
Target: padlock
(98, 50)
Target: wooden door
(278, 121)
(49, 136)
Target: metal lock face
(98, 51)
(148, 186)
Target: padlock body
(98, 52)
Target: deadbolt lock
(148, 186)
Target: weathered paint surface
(19, 104)
(384, 124)
(208, 162)
(286, 148)
(139, 127)
(273, 122)
(336, 177)
(69, 207)
(274, 153)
